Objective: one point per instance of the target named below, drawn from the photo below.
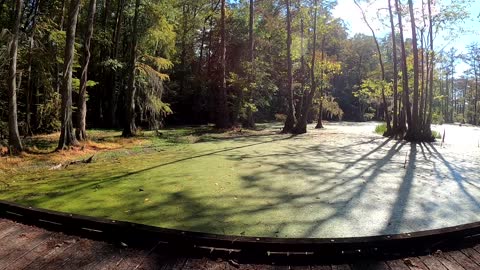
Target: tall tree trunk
(395, 69)
(113, 79)
(447, 98)
(222, 113)
(250, 123)
(421, 84)
(183, 42)
(464, 105)
(302, 69)
(475, 116)
(431, 56)
(320, 107)
(382, 68)
(413, 131)
(14, 142)
(453, 99)
(130, 128)
(67, 136)
(2, 2)
(290, 122)
(82, 98)
(427, 89)
(58, 77)
(406, 92)
(106, 10)
(29, 90)
(301, 126)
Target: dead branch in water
(64, 166)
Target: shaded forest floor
(344, 180)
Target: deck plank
(104, 256)
(26, 247)
(85, 252)
(25, 244)
(477, 247)
(370, 265)
(432, 263)
(398, 265)
(13, 238)
(462, 260)
(472, 254)
(316, 267)
(415, 263)
(448, 262)
(37, 253)
(56, 257)
(341, 267)
(205, 263)
(133, 259)
(8, 231)
(159, 259)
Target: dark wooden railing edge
(134, 234)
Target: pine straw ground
(40, 151)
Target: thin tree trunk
(395, 69)
(130, 128)
(290, 122)
(465, 98)
(427, 89)
(222, 113)
(447, 98)
(302, 101)
(81, 132)
(183, 55)
(427, 129)
(382, 68)
(406, 94)
(453, 99)
(112, 79)
(58, 77)
(413, 131)
(14, 142)
(29, 91)
(301, 126)
(250, 123)
(202, 45)
(67, 136)
(475, 116)
(106, 10)
(421, 85)
(2, 2)
(320, 107)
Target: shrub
(280, 117)
(381, 129)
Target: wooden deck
(27, 247)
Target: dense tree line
(70, 65)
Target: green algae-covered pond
(342, 181)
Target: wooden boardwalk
(26, 247)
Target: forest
(72, 65)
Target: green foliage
(151, 88)
(331, 108)
(371, 89)
(381, 129)
(48, 114)
(76, 84)
(437, 118)
(113, 64)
